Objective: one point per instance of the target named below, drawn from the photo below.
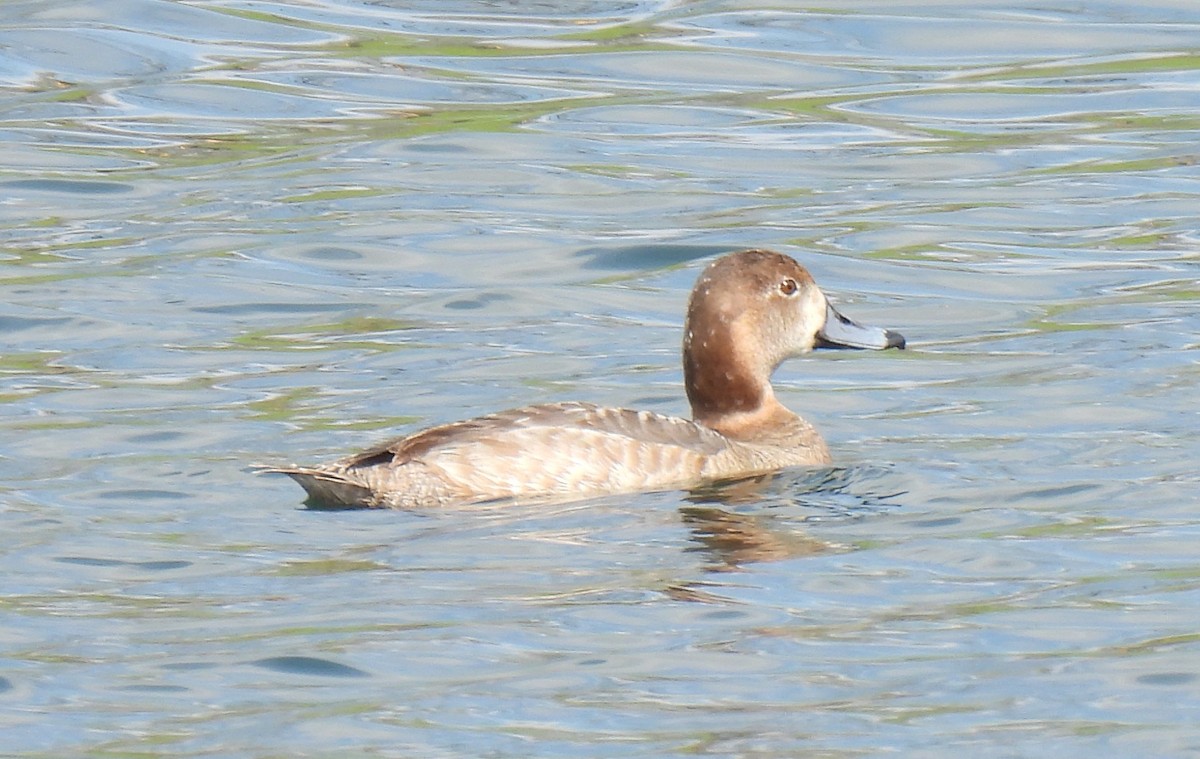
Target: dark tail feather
(328, 489)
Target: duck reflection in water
(762, 518)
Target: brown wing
(552, 419)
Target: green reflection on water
(329, 334)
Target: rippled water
(269, 231)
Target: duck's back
(543, 451)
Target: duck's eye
(788, 286)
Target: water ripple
(246, 231)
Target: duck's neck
(729, 390)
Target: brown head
(747, 313)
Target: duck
(748, 312)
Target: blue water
(242, 232)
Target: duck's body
(748, 312)
(552, 451)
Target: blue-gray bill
(841, 332)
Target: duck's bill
(841, 332)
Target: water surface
(266, 231)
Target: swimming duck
(748, 312)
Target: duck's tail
(326, 489)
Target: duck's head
(747, 313)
